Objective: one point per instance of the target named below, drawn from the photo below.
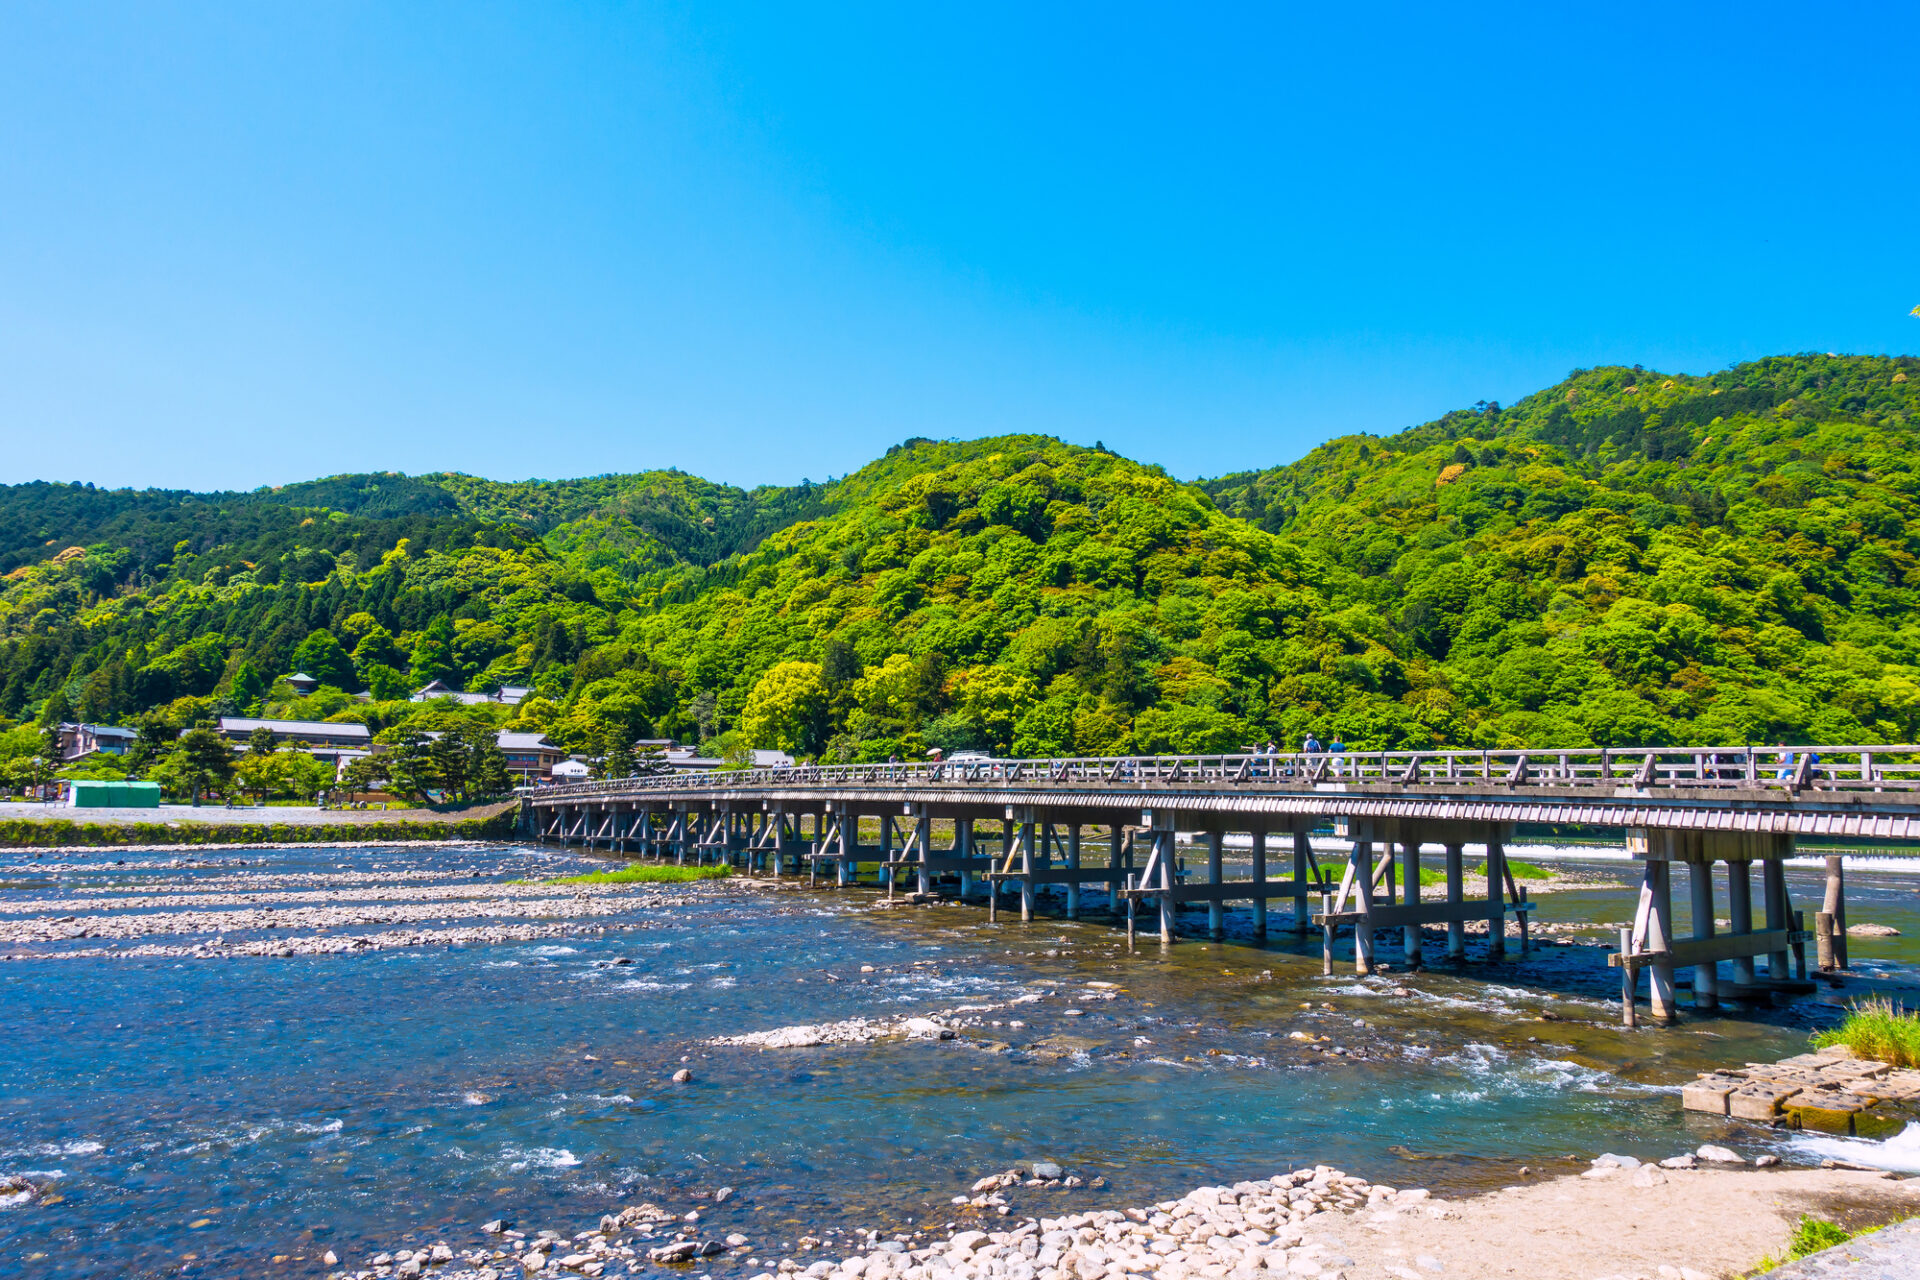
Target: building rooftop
(243, 724)
(524, 742)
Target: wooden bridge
(987, 827)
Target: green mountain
(1624, 558)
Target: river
(193, 1116)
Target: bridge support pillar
(1073, 863)
(1496, 901)
(1410, 895)
(1026, 866)
(1773, 884)
(1362, 858)
(1835, 905)
(1164, 840)
(1302, 860)
(1740, 914)
(1706, 976)
(1259, 877)
(1657, 895)
(963, 848)
(1456, 894)
(1216, 909)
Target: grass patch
(647, 875)
(1520, 870)
(1810, 1236)
(1880, 1030)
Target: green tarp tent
(116, 795)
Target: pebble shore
(1242, 1232)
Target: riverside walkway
(1109, 825)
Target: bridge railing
(1607, 771)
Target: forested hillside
(1627, 557)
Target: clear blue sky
(247, 244)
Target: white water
(1901, 1152)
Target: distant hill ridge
(1626, 557)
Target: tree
(487, 764)
(375, 647)
(787, 709)
(450, 760)
(433, 652)
(302, 774)
(201, 761)
(56, 709)
(411, 766)
(365, 773)
(321, 657)
(248, 687)
(385, 683)
(616, 755)
(991, 699)
(263, 741)
(154, 738)
(468, 763)
(256, 774)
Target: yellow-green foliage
(646, 874)
(1879, 1030)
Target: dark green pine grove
(1626, 558)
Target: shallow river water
(242, 1115)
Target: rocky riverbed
(176, 908)
(1318, 1223)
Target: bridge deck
(1694, 806)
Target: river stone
(1047, 1170)
(1718, 1155)
(1618, 1162)
(682, 1076)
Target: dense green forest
(1624, 558)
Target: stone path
(1890, 1254)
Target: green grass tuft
(1521, 871)
(1880, 1030)
(1810, 1236)
(647, 875)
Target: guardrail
(1788, 770)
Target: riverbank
(208, 826)
(1686, 1222)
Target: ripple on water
(520, 1159)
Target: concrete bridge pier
(1259, 839)
(1410, 881)
(1073, 864)
(1706, 974)
(1651, 944)
(1360, 866)
(1216, 909)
